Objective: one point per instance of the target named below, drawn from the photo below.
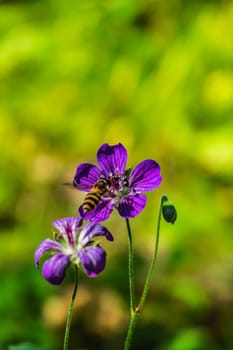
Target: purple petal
(66, 225)
(91, 230)
(54, 269)
(132, 205)
(101, 212)
(145, 176)
(86, 176)
(112, 159)
(46, 246)
(93, 260)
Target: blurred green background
(156, 76)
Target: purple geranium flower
(73, 244)
(122, 188)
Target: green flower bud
(169, 210)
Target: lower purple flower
(73, 245)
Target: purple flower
(122, 187)
(73, 244)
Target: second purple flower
(74, 244)
(111, 185)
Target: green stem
(132, 324)
(70, 311)
(131, 268)
(153, 262)
(136, 311)
(133, 315)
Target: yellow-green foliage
(157, 76)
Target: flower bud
(169, 210)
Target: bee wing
(84, 187)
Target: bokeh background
(155, 75)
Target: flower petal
(145, 176)
(66, 225)
(54, 268)
(86, 176)
(132, 205)
(112, 159)
(101, 212)
(45, 246)
(93, 260)
(91, 230)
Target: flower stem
(136, 311)
(153, 262)
(70, 311)
(132, 324)
(131, 289)
(131, 268)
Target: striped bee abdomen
(94, 196)
(90, 202)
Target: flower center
(118, 186)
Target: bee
(94, 196)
